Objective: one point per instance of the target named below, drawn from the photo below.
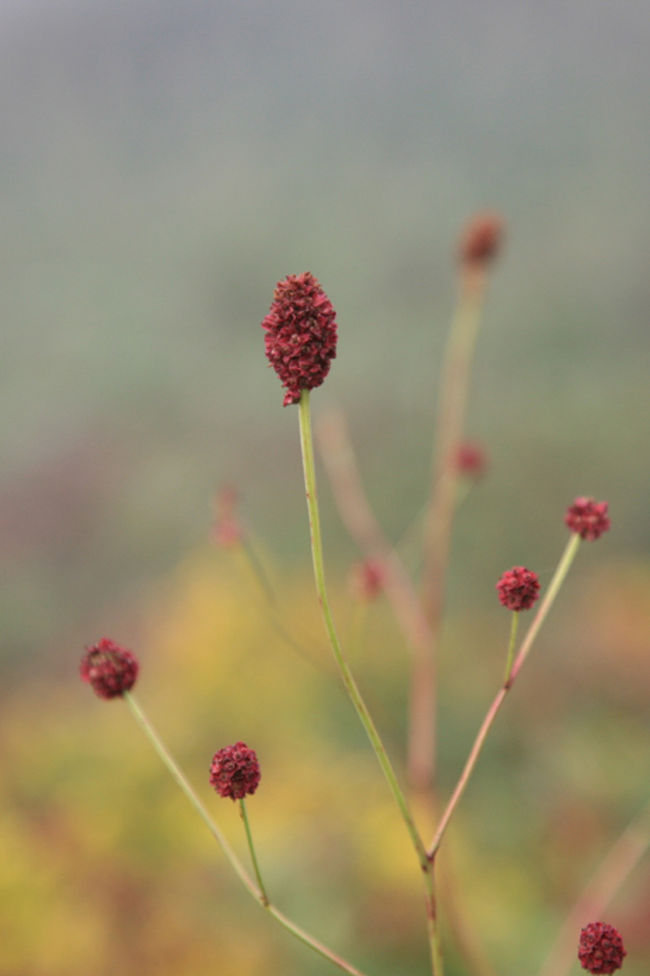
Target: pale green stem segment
(350, 684)
(435, 952)
(243, 812)
(558, 578)
(511, 645)
(258, 894)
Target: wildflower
(471, 460)
(518, 588)
(588, 518)
(366, 579)
(234, 771)
(601, 948)
(481, 240)
(109, 668)
(300, 335)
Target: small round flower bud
(109, 668)
(588, 518)
(235, 771)
(601, 948)
(366, 580)
(300, 335)
(518, 588)
(481, 240)
(471, 460)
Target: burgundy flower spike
(109, 668)
(588, 518)
(235, 771)
(518, 588)
(300, 334)
(601, 948)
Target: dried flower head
(518, 588)
(601, 948)
(588, 518)
(471, 460)
(366, 579)
(235, 771)
(481, 240)
(300, 334)
(109, 668)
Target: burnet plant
(300, 333)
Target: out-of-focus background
(163, 165)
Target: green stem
(350, 684)
(258, 894)
(511, 645)
(437, 966)
(249, 837)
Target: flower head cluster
(518, 588)
(481, 240)
(366, 579)
(601, 948)
(588, 518)
(235, 771)
(300, 334)
(109, 668)
(471, 460)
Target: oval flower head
(108, 668)
(300, 335)
(587, 518)
(235, 771)
(518, 588)
(601, 948)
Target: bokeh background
(163, 164)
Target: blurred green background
(162, 166)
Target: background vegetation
(163, 166)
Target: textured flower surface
(518, 588)
(235, 771)
(588, 518)
(601, 948)
(481, 240)
(300, 335)
(109, 668)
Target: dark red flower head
(601, 948)
(481, 240)
(471, 460)
(109, 668)
(588, 518)
(300, 335)
(235, 771)
(366, 579)
(518, 588)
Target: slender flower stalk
(256, 890)
(514, 625)
(309, 471)
(426, 866)
(249, 838)
(613, 871)
(439, 519)
(558, 578)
